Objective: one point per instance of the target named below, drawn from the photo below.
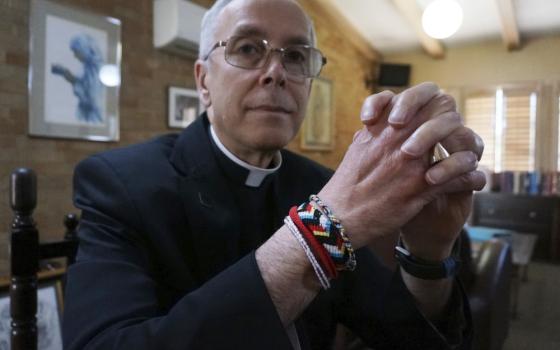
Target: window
(480, 116)
(505, 118)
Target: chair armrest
(489, 294)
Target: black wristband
(428, 270)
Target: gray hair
(209, 22)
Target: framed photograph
(74, 73)
(184, 107)
(49, 311)
(318, 125)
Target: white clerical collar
(256, 174)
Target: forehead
(281, 21)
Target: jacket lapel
(211, 212)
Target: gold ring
(439, 153)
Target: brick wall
(146, 74)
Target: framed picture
(74, 73)
(318, 125)
(49, 311)
(184, 107)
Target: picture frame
(74, 73)
(49, 315)
(183, 107)
(318, 126)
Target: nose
(274, 72)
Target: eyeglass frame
(269, 50)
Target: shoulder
(142, 158)
(134, 171)
(121, 181)
(148, 151)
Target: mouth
(271, 108)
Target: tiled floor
(537, 326)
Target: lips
(271, 108)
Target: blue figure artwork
(87, 88)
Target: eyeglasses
(254, 53)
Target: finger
(430, 133)
(457, 164)
(440, 104)
(472, 181)
(374, 105)
(410, 101)
(464, 139)
(362, 136)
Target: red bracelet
(319, 251)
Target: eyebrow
(250, 30)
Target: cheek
(302, 98)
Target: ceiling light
(442, 18)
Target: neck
(256, 158)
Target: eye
(248, 47)
(296, 54)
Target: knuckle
(457, 117)
(454, 118)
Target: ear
(200, 74)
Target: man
(182, 241)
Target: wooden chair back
(25, 254)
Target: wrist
(345, 216)
(281, 258)
(429, 251)
(428, 269)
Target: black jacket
(158, 266)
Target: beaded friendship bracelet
(323, 239)
(323, 279)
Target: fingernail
(367, 114)
(398, 115)
(435, 175)
(411, 147)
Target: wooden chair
(26, 253)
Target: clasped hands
(385, 183)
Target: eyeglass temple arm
(216, 45)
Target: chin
(269, 141)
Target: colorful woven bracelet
(328, 230)
(323, 279)
(322, 255)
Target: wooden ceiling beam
(412, 12)
(510, 32)
(330, 10)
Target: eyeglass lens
(251, 53)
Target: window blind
(518, 144)
(505, 119)
(479, 116)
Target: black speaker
(393, 74)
